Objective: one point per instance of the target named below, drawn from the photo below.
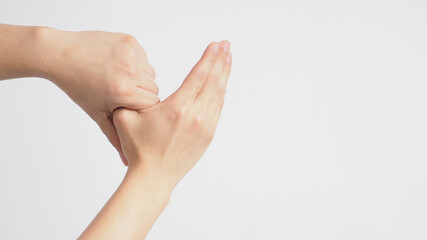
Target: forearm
(20, 51)
(133, 208)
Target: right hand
(167, 139)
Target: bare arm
(162, 143)
(19, 52)
(133, 208)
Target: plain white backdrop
(323, 134)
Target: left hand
(101, 72)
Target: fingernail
(229, 58)
(215, 48)
(226, 46)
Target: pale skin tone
(100, 71)
(160, 142)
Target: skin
(99, 71)
(109, 76)
(162, 143)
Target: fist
(101, 72)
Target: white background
(323, 134)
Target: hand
(169, 138)
(162, 143)
(101, 72)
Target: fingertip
(229, 58)
(140, 100)
(199, 73)
(158, 100)
(225, 46)
(151, 100)
(214, 47)
(149, 85)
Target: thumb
(108, 128)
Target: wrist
(152, 181)
(46, 43)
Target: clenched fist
(101, 72)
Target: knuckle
(120, 89)
(128, 39)
(210, 61)
(127, 65)
(127, 47)
(201, 126)
(127, 53)
(130, 69)
(198, 121)
(178, 111)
